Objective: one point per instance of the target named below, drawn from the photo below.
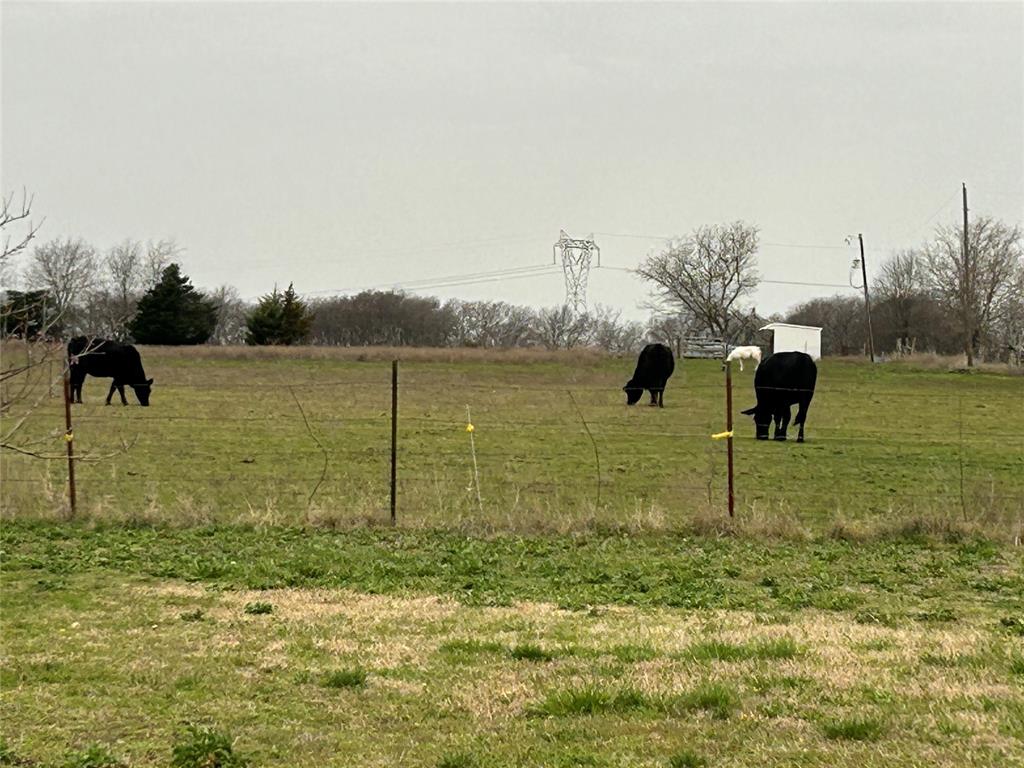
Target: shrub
(258, 608)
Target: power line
(768, 244)
(773, 282)
(443, 280)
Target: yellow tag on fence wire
(469, 427)
(721, 435)
(69, 436)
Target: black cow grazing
(784, 379)
(107, 359)
(653, 369)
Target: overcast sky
(341, 146)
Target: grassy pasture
(203, 604)
(226, 441)
(375, 647)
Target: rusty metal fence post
(69, 438)
(394, 440)
(728, 429)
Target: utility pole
(867, 299)
(967, 295)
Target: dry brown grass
(585, 356)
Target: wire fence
(535, 453)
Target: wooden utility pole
(967, 295)
(867, 298)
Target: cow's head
(633, 392)
(762, 420)
(142, 391)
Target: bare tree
(66, 270)
(611, 333)
(13, 212)
(561, 328)
(231, 315)
(900, 290)
(159, 255)
(841, 319)
(981, 288)
(708, 274)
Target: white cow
(745, 353)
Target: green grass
(595, 700)
(204, 747)
(687, 759)
(224, 441)
(354, 677)
(851, 619)
(96, 756)
(530, 652)
(717, 650)
(854, 729)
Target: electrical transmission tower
(576, 259)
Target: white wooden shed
(787, 337)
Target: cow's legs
(801, 417)
(76, 385)
(781, 422)
(661, 397)
(110, 394)
(654, 396)
(120, 391)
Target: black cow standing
(784, 379)
(107, 359)
(653, 369)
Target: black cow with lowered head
(107, 359)
(653, 369)
(783, 380)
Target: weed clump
(630, 654)
(258, 608)
(853, 729)
(530, 652)
(467, 650)
(591, 700)
(354, 677)
(716, 699)
(95, 756)
(718, 650)
(458, 760)
(197, 615)
(203, 747)
(1013, 624)
(687, 759)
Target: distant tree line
(926, 299)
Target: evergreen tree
(279, 318)
(173, 312)
(298, 320)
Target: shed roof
(773, 326)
